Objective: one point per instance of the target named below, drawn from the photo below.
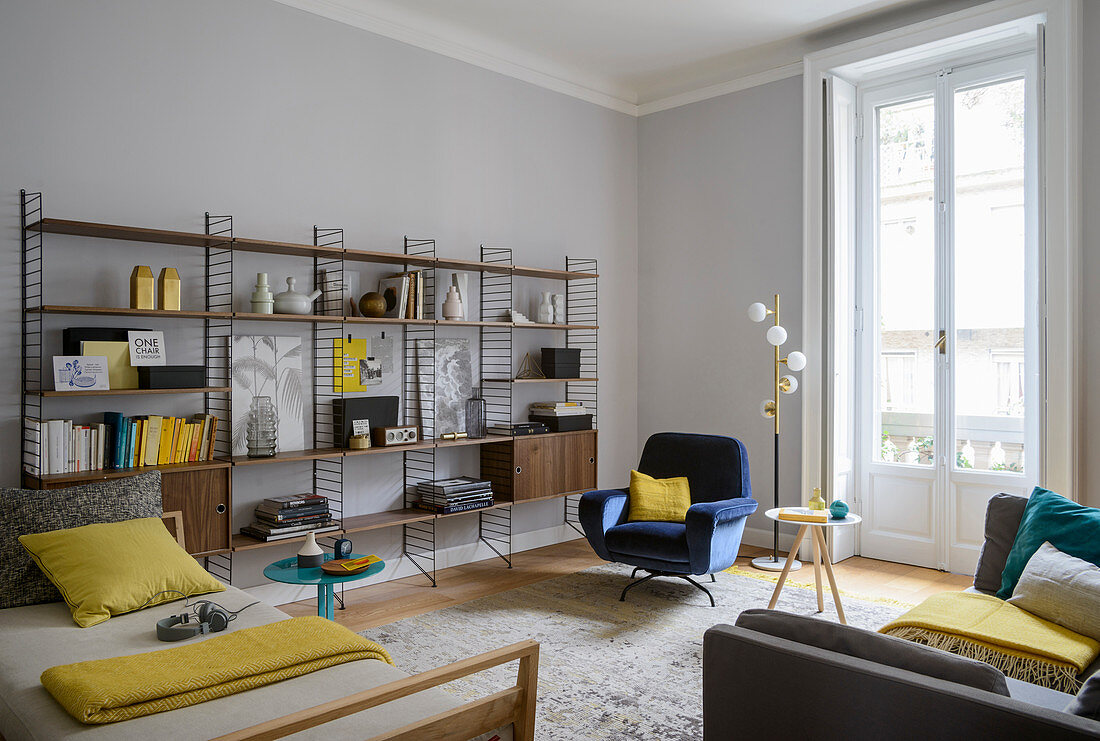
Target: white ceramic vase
(546, 309)
(559, 308)
(310, 556)
(262, 299)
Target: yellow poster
(348, 356)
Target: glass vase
(475, 416)
(262, 428)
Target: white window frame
(1060, 144)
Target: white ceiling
(619, 53)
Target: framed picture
(269, 366)
(370, 372)
(396, 292)
(80, 373)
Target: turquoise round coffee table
(286, 571)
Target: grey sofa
(776, 675)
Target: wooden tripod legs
(821, 557)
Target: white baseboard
(400, 567)
(763, 538)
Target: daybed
(36, 637)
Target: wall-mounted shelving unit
(203, 489)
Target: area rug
(607, 669)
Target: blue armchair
(717, 469)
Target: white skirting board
(762, 538)
(397, 568)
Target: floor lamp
(784, 384)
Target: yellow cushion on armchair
(658, 500)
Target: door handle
(941, 343)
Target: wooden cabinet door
(203, 497)
(576, 463)
(532, 468)
(548, 465)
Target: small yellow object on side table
(821, 550)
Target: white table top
(849, 520)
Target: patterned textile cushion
(26, 511)
(1062, 589)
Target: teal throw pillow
(1070, 527)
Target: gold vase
(141, 288)
(816, 501)
(168, 289)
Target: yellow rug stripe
(125, 687)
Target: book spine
(306, 499)
(453, 509)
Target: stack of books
(460, 494)
(61, 446)
(561, 416)
(279, 518)
(803, 514)
(519, 428)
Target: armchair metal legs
(650, 574)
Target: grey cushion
(25, 511)
(1087, 702)
(1002, 520)
(1061, 588)
(881, 649)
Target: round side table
(821, 554)
(286, 571)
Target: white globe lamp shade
(788, 384)
(758, 312)
(776, 335)
(796, 361)
(767, 409)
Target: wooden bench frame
(515, 705)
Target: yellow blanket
(1018, 643)
(109, 690)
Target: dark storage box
(171, 376)
(561, 355)
(71, 337)
(565, 424)
(560, 370)
(381, 411)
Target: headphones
(201, 618)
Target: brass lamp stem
(776, 348)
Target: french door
(947, 315)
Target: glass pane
(989, 277)
(905, 366)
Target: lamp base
(767, 563)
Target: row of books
(61, 446)
(413, 293)
(452, 495)
(557, 409)
(289, 516)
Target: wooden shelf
(474, 266)
(127, 233)
(289, 455)
(242, 542)
(538, 380)
(376, 520)
(488, 439)
(497, 505)
(248, 316)
(551, 274)
(536, 325)
(116, 473)
(389, 258)
(471, 323)
(120, 311)
(384, 320)
(382, 449)
(134, 392)
(286, 248)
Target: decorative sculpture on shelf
(168, 289)
(785, 384)
(142, 295)
(529, 369)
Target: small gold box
(168, 289)
(141, 288)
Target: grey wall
(720, 226)
(150, 113)
(1089, 477)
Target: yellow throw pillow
(658, 500)
(110, 569)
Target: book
(295, 500)
(454, 485)
(517, 430)
(354, 564)
(213, 438)
(269, 529)
(268, 537)
(277, 521)
(196, 439)
(113, 422)
(120, 373)
(152, 439)
(555, 404)
(143, 440)
(452, 509)
(568, 412)
(803, 514)
(457, 498)
(291, 512)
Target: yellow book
(152, 442)
(803, 514)
(164, 452)
(204, 439)
(176, 421)
(181, 441)
(139, 448)
(120, 373)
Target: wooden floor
(384, 603)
